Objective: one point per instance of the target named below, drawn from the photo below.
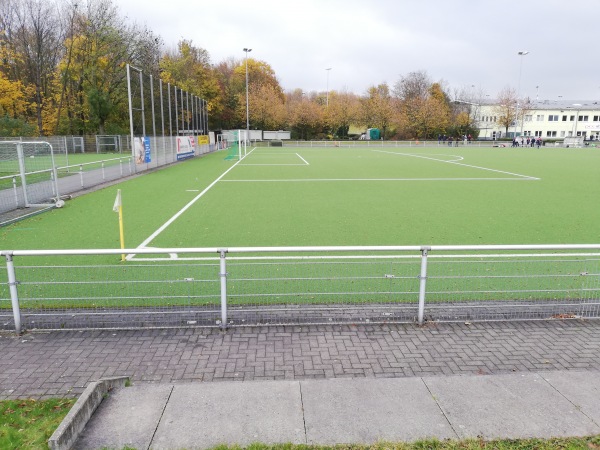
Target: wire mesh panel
(322, 291)
(511, 288)
(27, 175)
(86, 289)
(121, 296)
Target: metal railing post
(223, 276)
(14, 295)
(422, 284)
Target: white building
(546, 119)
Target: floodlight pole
(521, 54)
(247, 104)
(327, 94)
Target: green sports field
(295, 196)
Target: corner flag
(118, 203)
(118, 207)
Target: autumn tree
(32, 33)
(268, 108)
(377, 108)
(190, 69)
(506, 107)
(261, 79)
(342, 112)
(305, 115)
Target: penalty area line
(526, 177)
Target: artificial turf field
(294, 196)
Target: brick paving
(62, 363)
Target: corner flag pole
(118, 207)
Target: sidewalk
(320, 384)
(337, 411)
(63, 363)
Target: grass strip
(28, 424)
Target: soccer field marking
(304, 161)
(184, 209)
(192, 190)
(527, 177)
(295, 180)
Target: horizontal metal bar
(399, 248)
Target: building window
(538, 134)
(562, 134)
(583, 118)
(564, 118)
(550, 133)
(572, 118)
(528, 118)
(540, 117)
(553, 118)
(596, 118)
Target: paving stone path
(62, 363)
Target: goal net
(236, 142)
(573, 141)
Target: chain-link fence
(73, 289)
(28, 177)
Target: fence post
(14, 295)
(223, 275)
(422, 284)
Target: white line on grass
(381, 179)
(305, 161)
(185, 208)
(272, 165)
(460, 164)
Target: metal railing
(222, 287)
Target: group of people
(442, 139)
(529, 142)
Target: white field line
(292, 180)
(460, 164)
(272, 165)
(305, 161)
(259, 164)
(184, 209)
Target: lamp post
(521, 54)
(247, 104)
(327, 95)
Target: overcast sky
(463, 42)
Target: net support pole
(21, 158)
(14, 295)
(422, 284)
(223, 276)
(130, 101)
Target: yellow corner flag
(118, 207)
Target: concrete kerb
(75, 421)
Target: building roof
(580, 105)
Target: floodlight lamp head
(523, 53)
(247, 50)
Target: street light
(247, 104)
(522, 53)
(327, 95)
